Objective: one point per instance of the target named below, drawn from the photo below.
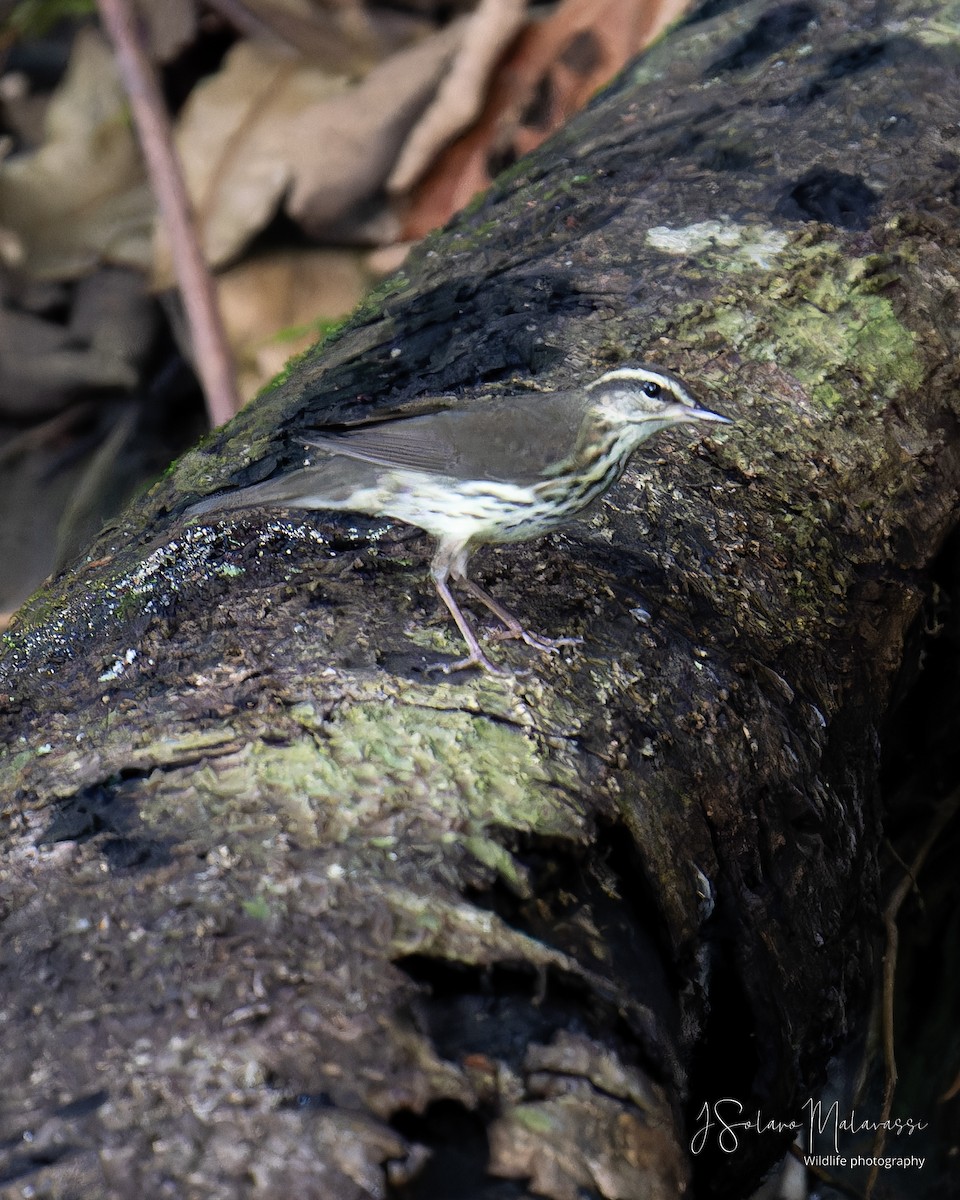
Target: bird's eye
(652, 389)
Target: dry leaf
(236, 173)
(81, 198)
(577, 50)
(345, 39)
(278, 305)
(270, 128)
(358, 134)
(555, 67)
(460, 97)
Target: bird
(494, 471)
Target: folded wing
(512, 439)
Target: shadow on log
(285, 915)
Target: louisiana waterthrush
(500, 470)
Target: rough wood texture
(281, 910)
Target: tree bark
(281, 910)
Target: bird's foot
(475, 659)
(538, 641)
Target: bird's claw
(537, 641)
(472, 660)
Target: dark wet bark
(281, 908)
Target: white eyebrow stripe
(642, 375)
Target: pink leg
(513, 627)
(476, 657)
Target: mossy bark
(281, 908)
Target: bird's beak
(704, 414)
(682, 412)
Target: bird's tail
(331, 483)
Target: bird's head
(646, 398)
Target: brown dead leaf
(82, 197)
(460, 97)
(555, 67)
(278, 305)
(359, 134)
(271, 129)
(228, 141)
(343, 38)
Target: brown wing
(507, 439)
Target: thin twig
(210, 350)
(945, 813)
